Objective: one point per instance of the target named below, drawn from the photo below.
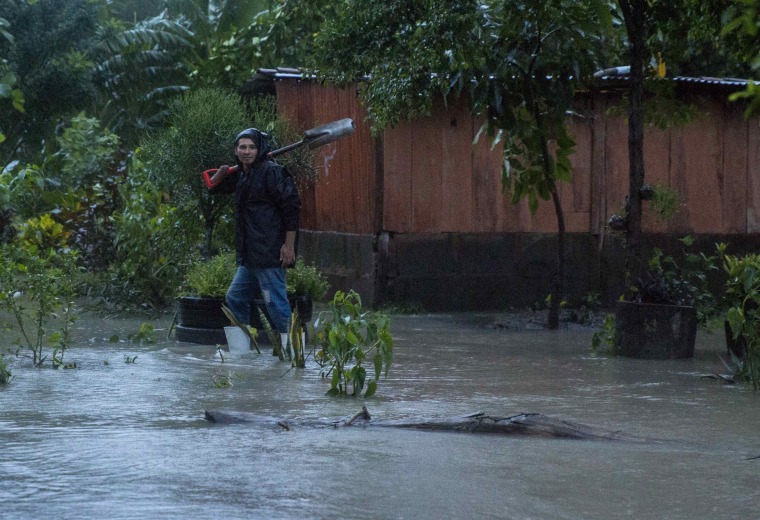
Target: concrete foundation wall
(460, 271)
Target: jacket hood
(262, 140)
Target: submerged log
(533, 424)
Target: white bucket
(237, 340)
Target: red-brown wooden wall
(426, 177)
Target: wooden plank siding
(343, 199)
(425, 176)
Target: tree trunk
(530, 424)
(558, 281)
(635, 13)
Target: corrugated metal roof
(725, 83)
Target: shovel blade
(328, 133)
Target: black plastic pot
(655, 331)
(304, 305)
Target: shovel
(313, 138)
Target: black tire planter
(202, 313)
(201, 320)
(199, 335)
(655, 331)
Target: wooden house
(417, 214)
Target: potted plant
(200, 315)
(658, 317)
(305, 286)
(742, 300)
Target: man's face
(246, 151)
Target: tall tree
(49, 57)
(520, 64)
(635, 14)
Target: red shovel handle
(210, 173)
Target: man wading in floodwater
(267, 208)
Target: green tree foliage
(49, 57)
(223, 47)
(520, 64)
(200, 135)
(152, 250)
(742, 18)
(688, 35)
(283, 33)
(138, 71)
(8, 78)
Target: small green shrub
(306, 280)
(5, 373)
(677, 282)
(347, 335)
(86, 152)
(38, 288)
(742, 297)
(151, 250)
(211, 278)
(603, 340)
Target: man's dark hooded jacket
(266, 206)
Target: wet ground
(123, 434)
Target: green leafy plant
(221, 380)
(347, 337)
(303, 280)
(665, 202)
(146, 334)
(36, 287)
(742, 297)
(603, 340)
(211, 278)
(151, 250)
(200, 134)
(5, 374)
(86, 152)
(670, 281)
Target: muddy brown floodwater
(129, 440)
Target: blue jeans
(245, 287)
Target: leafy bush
(86, 152)
(37, 285)
(306, 280)
(211, 278)
(151, 250)
(199, 136)
(5, 373)
(684, 282)
(43, 233)
(743, 299)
